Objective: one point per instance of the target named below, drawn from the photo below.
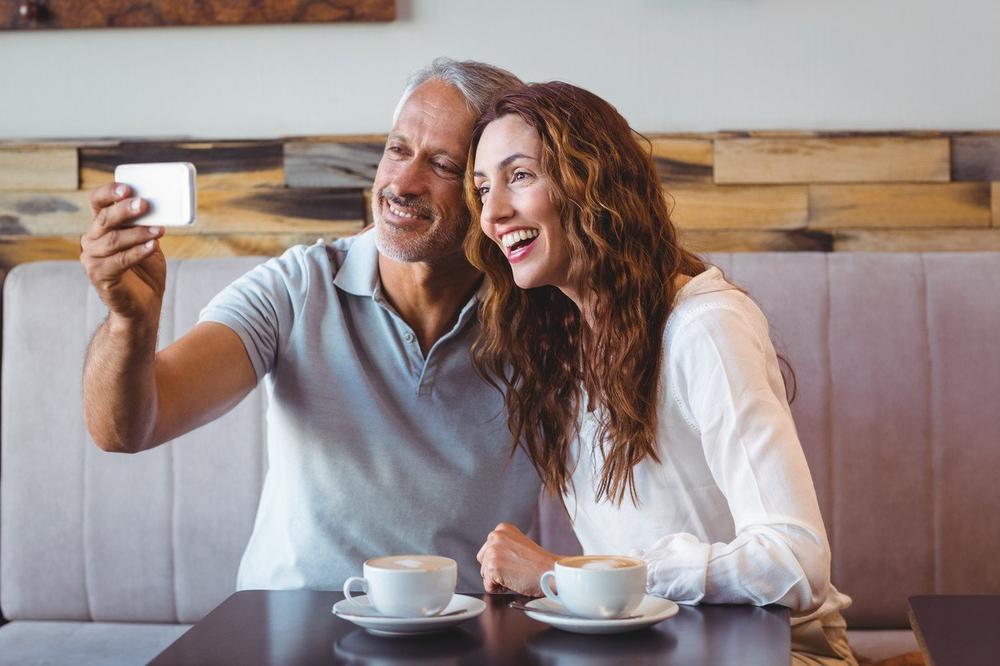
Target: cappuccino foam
(411, 562)
(600, 562)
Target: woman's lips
(514, 256)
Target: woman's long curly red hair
(534, 344)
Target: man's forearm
(119, 386)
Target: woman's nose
(497, 207)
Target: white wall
(669, 65)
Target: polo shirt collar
(358, 274)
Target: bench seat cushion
(33, 643)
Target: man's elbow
(110, 441)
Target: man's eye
(395, 150)
(447, 168)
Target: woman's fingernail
(134, 205)
(153, 231)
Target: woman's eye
(520, 175)
(483, 190)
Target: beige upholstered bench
(107, 559)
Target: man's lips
(401, 214)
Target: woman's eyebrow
(505, 162)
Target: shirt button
(408, 336)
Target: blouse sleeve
(725, 378)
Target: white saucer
(361, 613)
(650, 611)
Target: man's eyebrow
(506, 162)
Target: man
(381, 437)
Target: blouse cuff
(676, 568)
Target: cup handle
(347, 588)
(543, 582)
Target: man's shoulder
(320, 258)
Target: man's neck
(429, 295)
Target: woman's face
(518, 214)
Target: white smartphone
(168, 188)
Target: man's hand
(123, 262)
(512, 561)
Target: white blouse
(729, 515)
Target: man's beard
(442, 239)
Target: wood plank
(995, 198)
(220, 165)
(38, 168)
(916, 240)
(739, 207)
(682, 160)
(975, 157)
(831, 160)
(892, 205)
(277, 210)
(344, 163)
(20, 249)
(56, 14)
(756, 241)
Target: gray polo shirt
(373, 448)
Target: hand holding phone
(168, 188)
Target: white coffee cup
(407, 585)
(597, 586)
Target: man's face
(417, 197)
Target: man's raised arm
(134, 398)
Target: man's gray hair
(478, 82)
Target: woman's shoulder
(708, 296)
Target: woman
(643, 386)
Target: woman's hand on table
(511, 561)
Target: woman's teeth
(510, 239)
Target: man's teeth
(402, 213)
(513, 237)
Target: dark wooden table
(297, 627)
(955, 629)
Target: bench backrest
(897, 366)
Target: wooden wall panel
(831, 160)
(20, 249)
(55, 14)
(683, 159)
(739, 207)
(38, 168)
(731, 191)
(894, 205)
(975, 157)
(53, 213)
(220, 165)
(701, 241)
(916, 240)
(995, 198)
(344, 163)
(277, 210)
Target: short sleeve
(261, 306)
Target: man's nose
(408, 179)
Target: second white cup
(597, 586)
(407, 585)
